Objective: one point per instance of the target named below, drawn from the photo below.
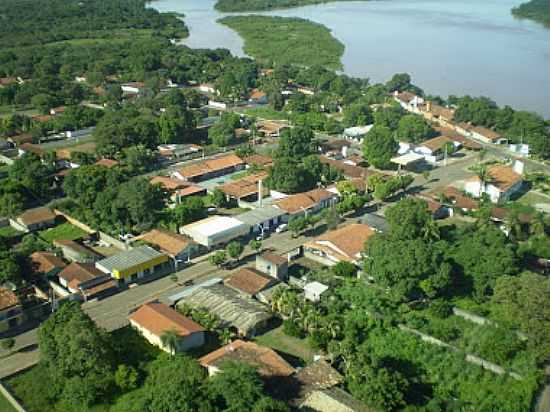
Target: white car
(282, 228)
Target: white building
(216, 230)
(502, 183)
(433, 150)
(357, 133)
(314, 290)
(408, 101)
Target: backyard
(64, 231)
(278, 340)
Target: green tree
(77, 356)
(218, 258)
(408, 218)
(255, 245)
(11, 204)
(235, 249)
(236, 387)
(357, 114)
(413, 128)
(344, 270)
(188, 210)
(484, 255)
(379, 147)
(138, 159)
(176, 384)
(126, 377)
(296, 225)
(522, 302)
(222, 133)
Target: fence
(16, 405)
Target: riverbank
(234, 6)
(283, 40)
(536, 10)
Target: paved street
(111, 313)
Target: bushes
(291, 328)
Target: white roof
(212, 225)
(358, 130)
(316, 287)
(407, 159)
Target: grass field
(65, 231)
(276, 339)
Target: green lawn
(276, 339)
(65, 231)
(5, 406)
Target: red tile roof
(249, 281)
(8, 299)
(45, 262)
(158, 318)
(266, 360)
(37, 215)
(210, 165)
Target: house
(177, 189)
(133, 87)
(274, 265)
(169, 184)
(454, 199)
(249, 281)
(207, 88)
(262, 219)
(408, 101)
(408, 161)
(433, 150)
(269, 364)
(54, 111)
(314, 290)
(86, 280)
(438, 114)
(349, 171)
(35, 219)
(180, 248)
(108, 163)
(41, 118)
(19, 139)
(31, 148)
(318, 375)
(153, 320)
(307, 202)
(271, 128)
(345, 244)
(11, 311)
(215, 230)
(487, 135)
(247, 188)
(210, 168)
(258, 160)
(179, 151)
(46, 264)
(76, 252)
(130, 265)
(357, 133)
(503, 182)
(332, 400)
(238, 312)
(257, 96)
(335, 149)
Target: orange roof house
(249, 281)
(210, 168)
(268, 363)
(308, 201)
(154, 319)
(344, 244)
(46, 263)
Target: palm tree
(170, 340)
(484, 177)
(226, 336)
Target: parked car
(282, 228)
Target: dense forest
(537, 10)
(282, 40)
(257, 5)
(32, 22)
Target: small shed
(314, 290)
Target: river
(459, 47)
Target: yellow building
(134, 264)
